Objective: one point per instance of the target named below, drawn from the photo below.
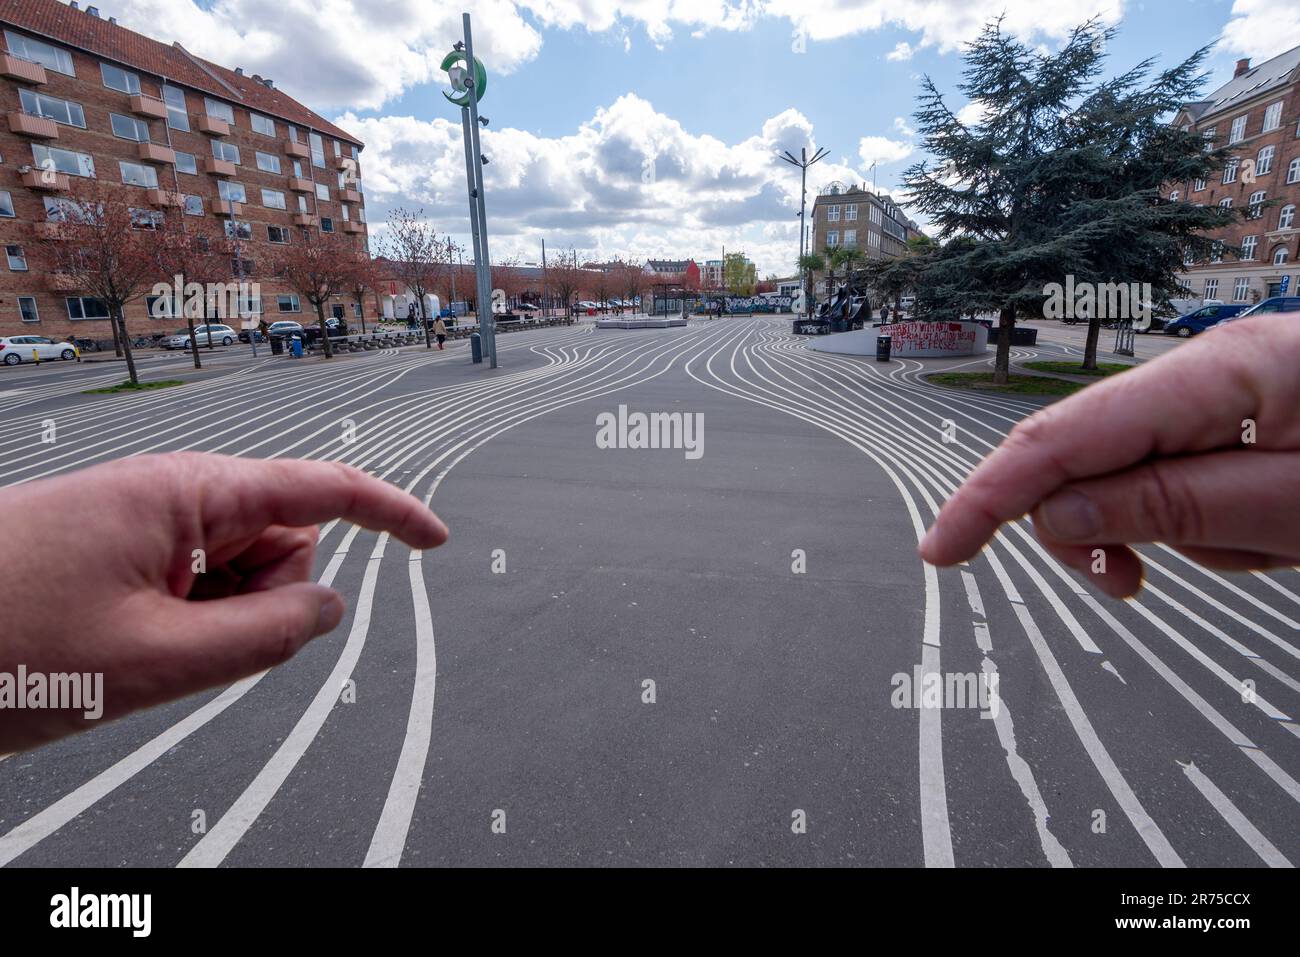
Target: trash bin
(277, 346)
(476, 346)
(883, 345)
(297, 347)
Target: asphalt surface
(769, 589)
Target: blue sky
(644, 128)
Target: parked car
(221, 335)
(256, 335)
(16, 349)
(1273, 304)
(284, 329)
(1200, 320)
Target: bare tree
(416, 256)
(566, 277)
(318, 269)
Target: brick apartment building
(1257, 113)
(200, 141)
(855, 217)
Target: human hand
(98, 571)
(1161, 453)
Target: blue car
(1272, 304)
(1201, 319)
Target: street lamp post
(803, 162)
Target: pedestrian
(884, 314)
(440, 331)
(263, 328)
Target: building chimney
(270, 84)
(239, 71)
(1243, 66)
(93, 11)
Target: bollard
(476, 347)
(883, 345)
(36, 356)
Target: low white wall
(910, 340)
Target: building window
(64, 161)
(323, 192)
(293, 134)
(27, 307)
(1286, 217)
(17, 258)
(193, 205)
(1238, 132)
(52, 58)
(115, 78)
(178, 117)
(185, 163)
(1248, 247)
(1211, 288)
(1225, 203)
(288, 303)
(1241, 289)
(52, 108)
(850, 237)
(262, 124)
(137, 174)
(226, 151)
(129, 128)
(302, 203)
(850, 212)
(86, 307)
(273, 199)
(297, 169)
(1209, 137)
(146, 219)
(277, 234)
(1256, 205)
(218, 110)
(1264, 161)
(1216, 252)
(832, 214)
(232, 192)
(1272, 116)
(317, 150)
(1230, 171)
(268, 163)
(1293, 171)
(1280, 256)
(1198, 185)
(832, 237)
(238, 229)
(6, 204)
(326, 224)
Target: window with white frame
(86, 307)
(302, 203)
(1241, 289)
(232, 192)
(218, 110)
(1272, 116)
(832, 214)
(323, 192)
(1248, 246)
(850, 237)
(1230, 171)
(268, 163)
(115, 78)
(850, 212)
(1211, 288)
(27, 308)
(1225, 203)
(178, 117)
(185, 163)
(50, 57)
(64, 161)
(193, 205)
(146, 218)
(238, 229)
(1209, 137)
(273, 199)
(317, 150)
(277, 234)
(1238, 132)
(17, 258)
(1293, 171)
(137, 174)
(288, 303)
(1216, 252)
(262, 124)
(6, 204)
(1264, 160)
(832, 237)
(1280, 256)
(129, 128)
(52, 108)
(1256, 205)
(1198, 185)
(1286, 217)
(326, 224)
(226, 151)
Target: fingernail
(330, 612)
(1070, 516)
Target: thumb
(188, 646)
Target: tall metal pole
(546, 298)
(487, 329)
(803, 162)
(472, 182)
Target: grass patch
(129, 386)
(1019, 384)
(1074, 368)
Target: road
(638, 656)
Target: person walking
(440, 331)
(884, 313)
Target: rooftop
(1255, 81)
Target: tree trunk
(194, 346)
(1002, 363)
(1090, 346)
(324, 330)
(126, 347)
(117, 340)
(428, 340)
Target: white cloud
(882, 150)
(1261, 29)
(902, 51)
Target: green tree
(809, 265)
(1060, 176)
(738, 274)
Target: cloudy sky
(649, 128)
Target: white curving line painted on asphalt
(1256, 841)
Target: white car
(222, 335)
(16, 349)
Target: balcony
(227, 207)
(46, 180)
(150, 106)
(350, 196)
(303, 219)
(344, 162)
(213, 126)
(165, 197)
(217, 167)
(352, 226)
(29, 124)
(156, 153)
(16, 68)
(296, 150)
(300, 184)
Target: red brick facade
(88, 44)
